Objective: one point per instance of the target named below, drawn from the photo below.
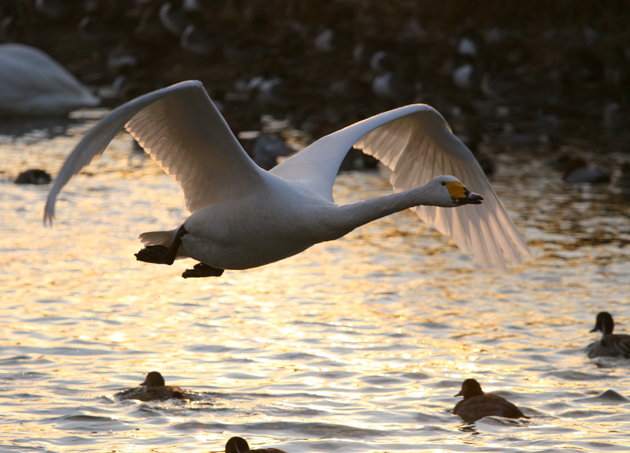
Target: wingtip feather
(48, 219)
(49, 211)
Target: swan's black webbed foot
(202, 270)
(152, 254)
(159, 254)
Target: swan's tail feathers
(164, 238)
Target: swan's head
(450, 192)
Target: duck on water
(154, 388)
(610, 345)
(240, 445)
(478, 404)
(243, 217)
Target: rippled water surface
(356, 345)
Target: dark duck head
(610, 345)
(470, 388)
(240, 445)
(154, 379)
(604, 323)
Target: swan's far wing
(182, 130)
(420, 146)
(416, 143)
(317, 165)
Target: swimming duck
(244, 217)
(153, 388)
(33, 176)
(240, 445)
(477, 404)
(32, 84)
(610, 345)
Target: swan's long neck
(354, 215)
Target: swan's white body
(244, 217)
(283, 219)
(32, 84)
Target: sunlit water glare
(356, 345)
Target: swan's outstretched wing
(416, 143)
(183, 131)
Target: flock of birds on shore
(34, 85)
(489, 75)
(475, 405)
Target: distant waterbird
(243, 217)
(266, 150)
(577, 171)
(32, 84)
(34, 176)
(611, 344)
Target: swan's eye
(443, 183)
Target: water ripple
(357, 345)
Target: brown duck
(610, 345)
(477, 404)
(240, 445)
(153, 388)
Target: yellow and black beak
(461, 195)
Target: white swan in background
(244, 217)
(32, 84)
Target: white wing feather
(416, 143)
(182, 130)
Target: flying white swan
(244, 217)
(32, 84)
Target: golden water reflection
(355, 345)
